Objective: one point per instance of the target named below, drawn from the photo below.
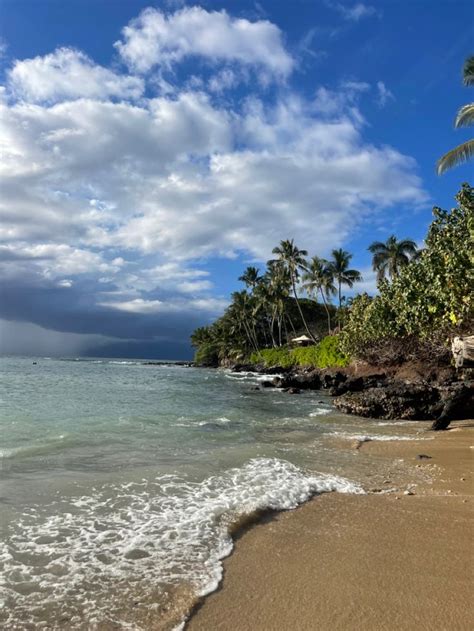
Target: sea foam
(139, 535)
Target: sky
(152, 150)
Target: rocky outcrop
(411, 401)
(301, 381)
(396, 401)
(442, 396)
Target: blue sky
(153, 150)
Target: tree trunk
(285, 327)
(327, 310)
(301, 311)
(272, 329)
(249, 335)
(291, 324)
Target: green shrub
(326, 354)
(273, 357)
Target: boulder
(398, 400)
(303, 381)
(333, 379)
(457, 403)
(357, 384)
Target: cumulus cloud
(69, 74)
(112, 207)
(159, 39)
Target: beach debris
(408, 492)
(423, 457)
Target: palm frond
(407, 246)
(468, 71)
(465, 116)
(377, 246)
(456, 156)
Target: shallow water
(120, 482)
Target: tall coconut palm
(250, 277)
(391, 256)
(293, 260)
(278, 283)
(465, 117)
(244, 316)
(342, 274)
(320, 277)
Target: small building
(302, 340)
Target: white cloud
(51, 260)
(69, 74)
(159, 39)
(354, 12)
(137, 305)
(124, 203)
(141, 306)
(225, 79)
(383, 94)
(192, 287)
(171, 177)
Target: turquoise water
(120, 481)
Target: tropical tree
(278, 283)
(293, 260)
(319, 277)
(242, 310)
(464, 118)
(339, 266)
(391, 256)
(250, 277)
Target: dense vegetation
(269, 313)
(325, 354)
(425, 297)
(428, 301)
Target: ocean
(122, 483)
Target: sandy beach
(384, 561)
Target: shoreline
(391, 559)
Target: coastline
(385, 560)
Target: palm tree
(250, 277)
(465, 117)
(319, 277)
(277, 283)
(391, 256)
(342, 274)
(243, 312)
(293, 260)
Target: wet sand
(384, 561)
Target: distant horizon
(152, 153)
